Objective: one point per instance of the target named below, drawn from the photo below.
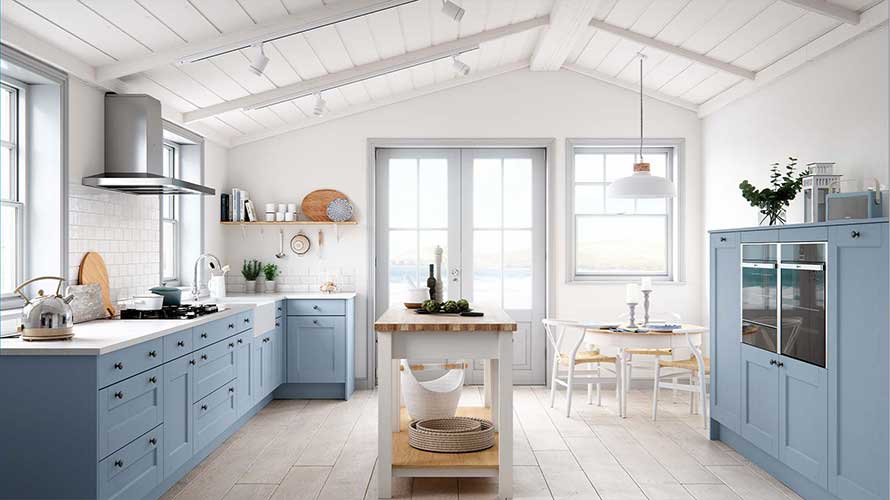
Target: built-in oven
(760, 300)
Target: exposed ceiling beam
(824, 8)
(568, 22)
(303, 21)
(363, 72)
(654, 94)
(871, 19)
(375, 104)
(673, 49)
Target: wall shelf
(293, 223)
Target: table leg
(625, 385)
(491, 368)
(505, 414)
(384, 414)
(396, 394)
(486, 384)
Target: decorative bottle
(431, 283)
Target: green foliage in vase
(773, 200)
(271, 272)
(251, 269)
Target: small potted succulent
(270, 271)
(772, 201)
(250, 270)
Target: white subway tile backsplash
(299, 279)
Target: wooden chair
(565, 364)
(697, 368)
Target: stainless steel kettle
(46, 317)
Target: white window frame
(19, 178)
(174, 220)
(675, 272)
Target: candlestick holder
(646, 307)
(632, 322)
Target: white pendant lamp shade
(642, 184)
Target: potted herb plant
(270, 271)
(250, 270)
(772, 201)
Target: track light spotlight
(453, 10)
(460, 67)
(320, 105)
(258, 59)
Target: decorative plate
(339, 210)
(300, 244)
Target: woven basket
(451, 435)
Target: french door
(486, 209)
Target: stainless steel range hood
(134, 148)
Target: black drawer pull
(152, 441)
(152, 354)
(722, 239)
(855, 234)
(279, 308)
(247, 320)
(266, 339)
(780, 364)
(118, 463)
(119, 395)
(231, 345)
(316, 307)
(277, 324)
(203, 357)
(231, 389)
(315, 321)
(203, 407)
(772, 361)
(181, 343)
(153, 380)
(191, 361)
(118, 366)
(203, 335)
(231, 325)
(240, 341)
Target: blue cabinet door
(130, 408)
(316, 349)
(857, 361)
(760, 399)
(179, 436)
(267, 363)
(726, 322)
(803, 418)
(215, 366)
(256, 370)
(279, 344)
(244, 369)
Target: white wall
(216, 160)
(519, 104)
(832, 109)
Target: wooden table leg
(505, 414)
(486, 383)
(491, 368)
(384, 414)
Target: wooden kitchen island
(404, 334)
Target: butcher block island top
(400, 319)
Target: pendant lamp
(642, 184)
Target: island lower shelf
(408, 461)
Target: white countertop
(99, 337)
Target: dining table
(623, 337)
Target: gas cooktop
(171, 312)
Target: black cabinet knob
(203, 407)
(780, 364)
(855, 234)
(118, 366)
(231, 345)
(153, 380)
(203, 335)
(203, 357)
(247, 320)
(118, 463)
(231, 325)
(315, 321)
(316, 307)
(240, 341)
(191, 361)
(277, 324)
(723, 239)
(152, 354)
(772, 361)
(152, 441)
(181, 343)
(231, 389)
(119, 395)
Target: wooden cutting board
(92, 270)
(315, 204)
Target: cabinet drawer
(214, 366)
(724, 240)
(214, 331)
(125, 363)
(129, 408)
(331, 307)
(760, 236)
(214, 414)
(177, 344)
(857, 235)
(135, 470)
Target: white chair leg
(619, 381)
(630, 367)
(701, 398)
(655, 391)
(569, 381)
(555, 374)
(590, 394)
(691, 396)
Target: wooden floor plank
(302, 483)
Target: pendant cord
(641, 108)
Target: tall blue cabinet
(821, 425)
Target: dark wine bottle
(431, 284)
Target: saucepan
(145, 302)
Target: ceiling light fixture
(460, 67)
(453, 10)
(258, 59)
(320, 105)
(642, 184)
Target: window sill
(9, 320)
(619, 281)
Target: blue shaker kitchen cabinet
(803, 418)
(725, 328)
(267, 363)
(215, 366)
(316, 349)
(135, 470)
(279, 345)
(245, 385)
(760, 399)
(179, 437)
(857, 360)
(130, 408)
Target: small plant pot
(270, 286)
(250, 286)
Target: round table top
(596, 327)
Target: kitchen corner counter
(94, 338)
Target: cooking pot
(172, 295)
(46, 317)
(146, 302)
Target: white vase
(250, 286)
(270, 286)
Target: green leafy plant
(773, 200)
(271, 272)
(251, 269)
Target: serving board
(93, 270)
(315, 204)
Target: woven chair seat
(686, 364)
(650, 352)
(586, 357)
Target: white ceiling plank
(499, 13)
(766, 24)
(568, 25)
(659, 14)
(387, 33)
(711, 86)
(264, 10)
(226, 15)
(870, 19)
(796, 35)
(235, 65)
(474, 20)
(241, 122)
(131, 18)
(597, 48)
(423, 75)
(211, 40)
(216, 80)
(622, 55)
(144, 84)
(279, 71)
(355, 93)
(365, 71)
(328, 47)
(828, 9)
(415, 23)
(693, 16)
(688, 79)
(375, 104)
(265, 117)
(296, 6)
(658, 75)
(288, 112)
(26, 20)
(733, 16)
(654, 58)
(299, 54)
(184, 85)
(679, 51)
(654, 94)
(359, 41)
(441, 27)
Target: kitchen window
(12, 189)
(170, 227)
(619, 239)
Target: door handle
(773, 362)
(780, 364)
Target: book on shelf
(225, 211)
(249, 211)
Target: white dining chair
(651, 356)
(566, 371)
(697, 368)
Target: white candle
(633, 293)
(646, 284)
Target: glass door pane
(760, 296)
(803, 302)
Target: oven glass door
(803, 302)
(759, 296)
